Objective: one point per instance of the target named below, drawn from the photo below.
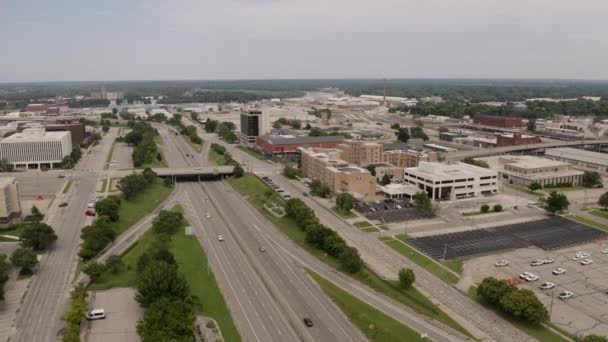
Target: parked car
(501, 263)
(308, 322)
(398, 206)
(559, 271)
(532, 277)
(605, 251)
(536, 263)
(547, 286)
(61, 205)
(548, 260)
(566, 295)
(586, 262)
(220, 238)
(90, 212)
(61, 176)
(525, 275)
(96, 314)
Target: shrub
(485, 208)
(497, 208)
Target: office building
(76, 127)
(10, 202)
(340, 176)
(408, 157)
(525, 170)
(587, 159)
(36, 148)
(452, 180)
(497, 121)
(284, 145)
(252, 127)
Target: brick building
(76, 126)
(514, 139)
(289, 144)
(497, 121)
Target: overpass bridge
(495, 151)
(183, 173)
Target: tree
(497, 208)
(105, 128)
(418, 133)
(556, 202)
(131, 185)
(5, 166)
(603, 200)
(525, 305)
(277, 125)
(238, 171)
(491, 290)
(290, 172)
(386, 179)
(476, 162)
(319, 189)
(395, 126)
(167, 222)
(142, 262)
(38, 236)
(5, 268)
(592, 179)
(307, 127)
(114, 263)
(406, 277)
(372, 169)
(160, 280)
(531, 125)
(26, 259)
(351, 260)
(485, 208)
(423, 202)
(535, 186)
(315, 132)
(167, 320)
(110, 207)
(149, 175)
(94, 270)
(210, 125)
(595, 338)
(402, 134)
(35, 215)
(344, 202)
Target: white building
(36, 148)
(452, 180)
(10, 202)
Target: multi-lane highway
(39, 318)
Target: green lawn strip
(191, 260)
(362, 224)
(475, 213)
(423, 261)
(66, 188)
(197, 147)
(109, 158)
(217, 158)
(370, 229)
(568, 188)
(252, 153)
(345, 215)
(454, 265)
(587, 221)
(376, 325)
(7, 239)
(104, 183)
(144, 203)
(383, 227)
(257, 193)
(599, 213)
(540, 332)
(523, 189)
(14, 231)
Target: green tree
(423, 202)
(105, 128)
(167, 320)
(167, 222)
(131, 185)
(5, 166)
(485, 208)
(38, 236)
(319, 189)
(110, 207)
(531, 125)
(35, 215)
(402, 134)
(386, 179)
(351, 260)
(114, 263)
(491, 290)
(497, 208)
(277, 125)
(556, 202)
(345, 202)
(149, 175)
(5, 268)
(535, 186)
(372, 169)
(26, 259)
(406, 277)
(476, 162)
(238, 171)
(524, 304)
(315, 132)
(603, 200)
(94, 270)
(395, 126)
(291, 172)
(160, 280)
(595, 338)
(592, 179)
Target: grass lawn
(104, 183)
(143, 204)
(252, 153)
(109, 158)
(373, 323)
(66, 188)
(383, 227)
(541, 333)
(345, 215)
(587, 221)
(423, 261)
(217, 158)
(197, 147)
(370, 229)
(16, 230)
(454, 265)
(6, 239)
(599, 212)
(362, 224)
(523, 189)
(257, 193)
(192, 261)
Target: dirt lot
(583, 314)
(122, 314)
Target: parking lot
(583, 314)
(547, 234)
(280, 191)
(388, 212)
(122, 314)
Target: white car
(525, 275)
(566, 295)
(547, 286)
(220, 238)
(536, 263)
(581, 255)
(208, 216)
(548, 261)
(559, 271)
(605, 251)
(398, 206)
(586, 262)
(532, 277)
(501, 263)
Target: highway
(39, 318)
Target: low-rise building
(497, 121)
(36, 148)
(10, 202)
(361, 153)
(284, 145)
(76, 127)
(587, 159)
(452, 180)
(514, 139)
(340, 176)
(450, 136)
(409, 157)
(525, 170)
(395, 173)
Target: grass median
(257, 193)
(376, 325)
(217, 158)
(599, 213)
(587, 221)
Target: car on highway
(546, 286)
(308, 322)
(605, 251)
(96, 314)
(91, 205)
(198, 168)
(90, 212)
(220, 238)
(61, 205)
(586, 262)
(566, 295)
(559, 271)
(208, 215)
(501, 263)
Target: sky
(88, 40)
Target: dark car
(386, 207)
(308, 322)
(61, 176)
(61, 205)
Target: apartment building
(409, 157)
(327, 166)
(36, 148)
(10, 202)
(525, 170)
(361, 153)
(452, 181)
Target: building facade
(361, 153)
(271, 144)
(452, 181)
(525, 170)
(10, 202)
(36, 148)
(515, 139)
(497, 121)
(251, 123)
(409, 158)
(587, 159)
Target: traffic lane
(288, 276)
(257, 302)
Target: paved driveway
(122, 314)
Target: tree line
(142, 137)
(225, 130)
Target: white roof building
(35, 147)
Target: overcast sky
(243, 39)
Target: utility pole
(445, 250)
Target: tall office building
(251, 126)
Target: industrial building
(340, 176)
(450, 136)
(10, 202)
(587, 159)
(525, 170)
(497, 121)
(452, 180)
(36, 148)
(286, 145)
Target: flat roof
(449, 171)
(46, 136)
(578, 154)
(301, 139)
(531, 162)
(399, 189)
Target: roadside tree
(345, 202)
(406, 277)
(556, 202)
(38, 236)
(603, 201)
(26, 259)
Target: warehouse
(587, 159)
